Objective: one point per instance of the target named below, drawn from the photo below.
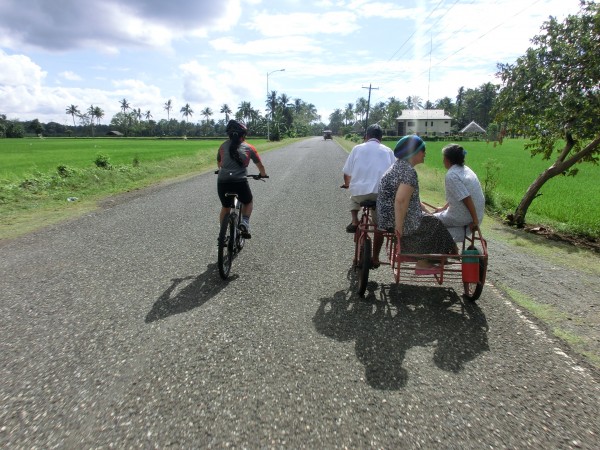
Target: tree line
(284, 117)
(469, 104)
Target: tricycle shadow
(392, 319)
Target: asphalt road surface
(116, 330)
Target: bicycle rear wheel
(364, 265)
(226, 245)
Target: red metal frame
(403, 265)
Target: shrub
(64, 171)
(102, 161)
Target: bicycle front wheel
(226, 246)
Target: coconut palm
(187, 111)
(226, 110)
(99, 114)
(206, 113)
(91, 112)
(148, 115)
(73, 111)
(349, 113)
(245, 111)
(168, 106)
(124, 105)
(271, 103)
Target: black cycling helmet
(236, 127)
(374, 131)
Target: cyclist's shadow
(187, 293)
(394, 318)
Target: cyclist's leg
(223, 213)
(245, 196)
(226, 201)
(377, 244)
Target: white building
(424, 122)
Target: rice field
(566, 203)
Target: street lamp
(268, 119)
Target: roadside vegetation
(44, 181)
(505, 171)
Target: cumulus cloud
(110, 24)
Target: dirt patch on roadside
(578, 241)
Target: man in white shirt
(364, 167)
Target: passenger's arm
(468, 201)
(401, 203)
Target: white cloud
(288, 45)
(70, 76)
(278, 25)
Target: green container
(470, 259)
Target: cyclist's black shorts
(241, 188)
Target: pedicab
(466, 269)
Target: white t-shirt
(461, 182)
(366, 164)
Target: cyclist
(362, 171)
(233, 158)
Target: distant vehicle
(328, 134)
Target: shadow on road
(392, 319)
(188, 293)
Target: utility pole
(368, 105)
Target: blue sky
(54, 53)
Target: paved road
(115, 330)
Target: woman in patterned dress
(400, 209)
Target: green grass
(33, 193)
(568, 204)
(557, 321)
(21, 157)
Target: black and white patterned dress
(422, 233)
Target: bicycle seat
(368, 204)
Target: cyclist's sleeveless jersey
(230, 168)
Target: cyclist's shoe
(245, 230)
(351, 228)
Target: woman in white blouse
(464, 196)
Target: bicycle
(231, 240)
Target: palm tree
(168, 107)
(226, 110)
(206, 113)
(148, 115)
(271, 103)
(73, 111)
(187, 112)
(349, 113)
(361, 108)
(124, 105)
(245, 111)
(99, 114)
(91, 111)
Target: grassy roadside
(43, 198)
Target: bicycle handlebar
(253, 175)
